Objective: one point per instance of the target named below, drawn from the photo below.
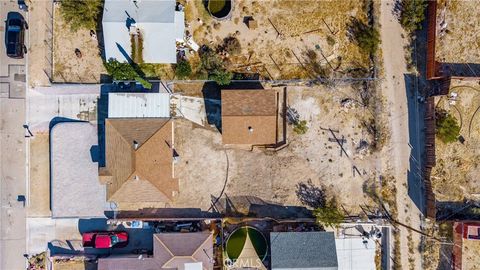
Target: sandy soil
(462, 24)
(39, 176)
(397, 154)
(67, 66)
(303, 25)
(40, 34)
(455, 177)
(273, 176)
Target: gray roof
(303, 250)
(157, 20)
(75, 187)
(138, 105)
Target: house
(466, 248)
(138, 105)
(181, 251)
(76, 191)
(152, 27)
(138, 168)
(249, 117)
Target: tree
(329, 215)
(81, 13)
(231, 45)
(222, 77)
(183, 69)
(366, 37)
(412, 14)
(124, 71)
(448, 129)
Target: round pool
(236, 242)
(219, 9)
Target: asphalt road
(13, 176)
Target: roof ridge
(153, 134)
(198, 248)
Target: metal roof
(303, 250)
(75, 187)
(353, 254)
(138, 105)
(157, 20)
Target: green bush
(119, 70)
(300, 127)
(448, 129)
(221, 77)
(366, 37)
(81, 13)
(183, 69)
(329, 215)
(412, 14)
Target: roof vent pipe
(135, 145)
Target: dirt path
(400, 149)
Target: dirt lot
(67, 66)
(459, 41)
(274, 176)
(39, 176)
(286, 31)
(456, 175)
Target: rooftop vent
(135, 145)
(250, 129)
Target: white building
(157, 22)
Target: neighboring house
(75, 187)
(249, 117)
(154, 22)
(303, 250)
(181, 251)
(466, 248)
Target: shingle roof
(146, 170)
(303, 250)
(170, 251)
(249, 117)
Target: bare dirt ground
(39, 205)
(274, 176)
(286, 31)
(456, 174)
(458, 41)
(67, 66)
(40, 51)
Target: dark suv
(14, 36)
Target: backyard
(455, 176)
(281, 39)
(313, 159)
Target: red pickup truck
(105, 239)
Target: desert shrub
(329, 215)
(81, 14)
(231, 45)
(331, 41)
(300, 127)
(447, 128)
(412, 14)
(221, 77)
(366, 37)
(183, 69)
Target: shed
(249, 117)
(303, 250)
(75, 187)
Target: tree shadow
(311, 195)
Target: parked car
(14, 35)
(105, 239)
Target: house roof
(157, 20)
(170, 251)
(249, 117)
(138, 105)
(303, 250)
(139, 160)
(75, 188)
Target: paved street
(12, 152)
